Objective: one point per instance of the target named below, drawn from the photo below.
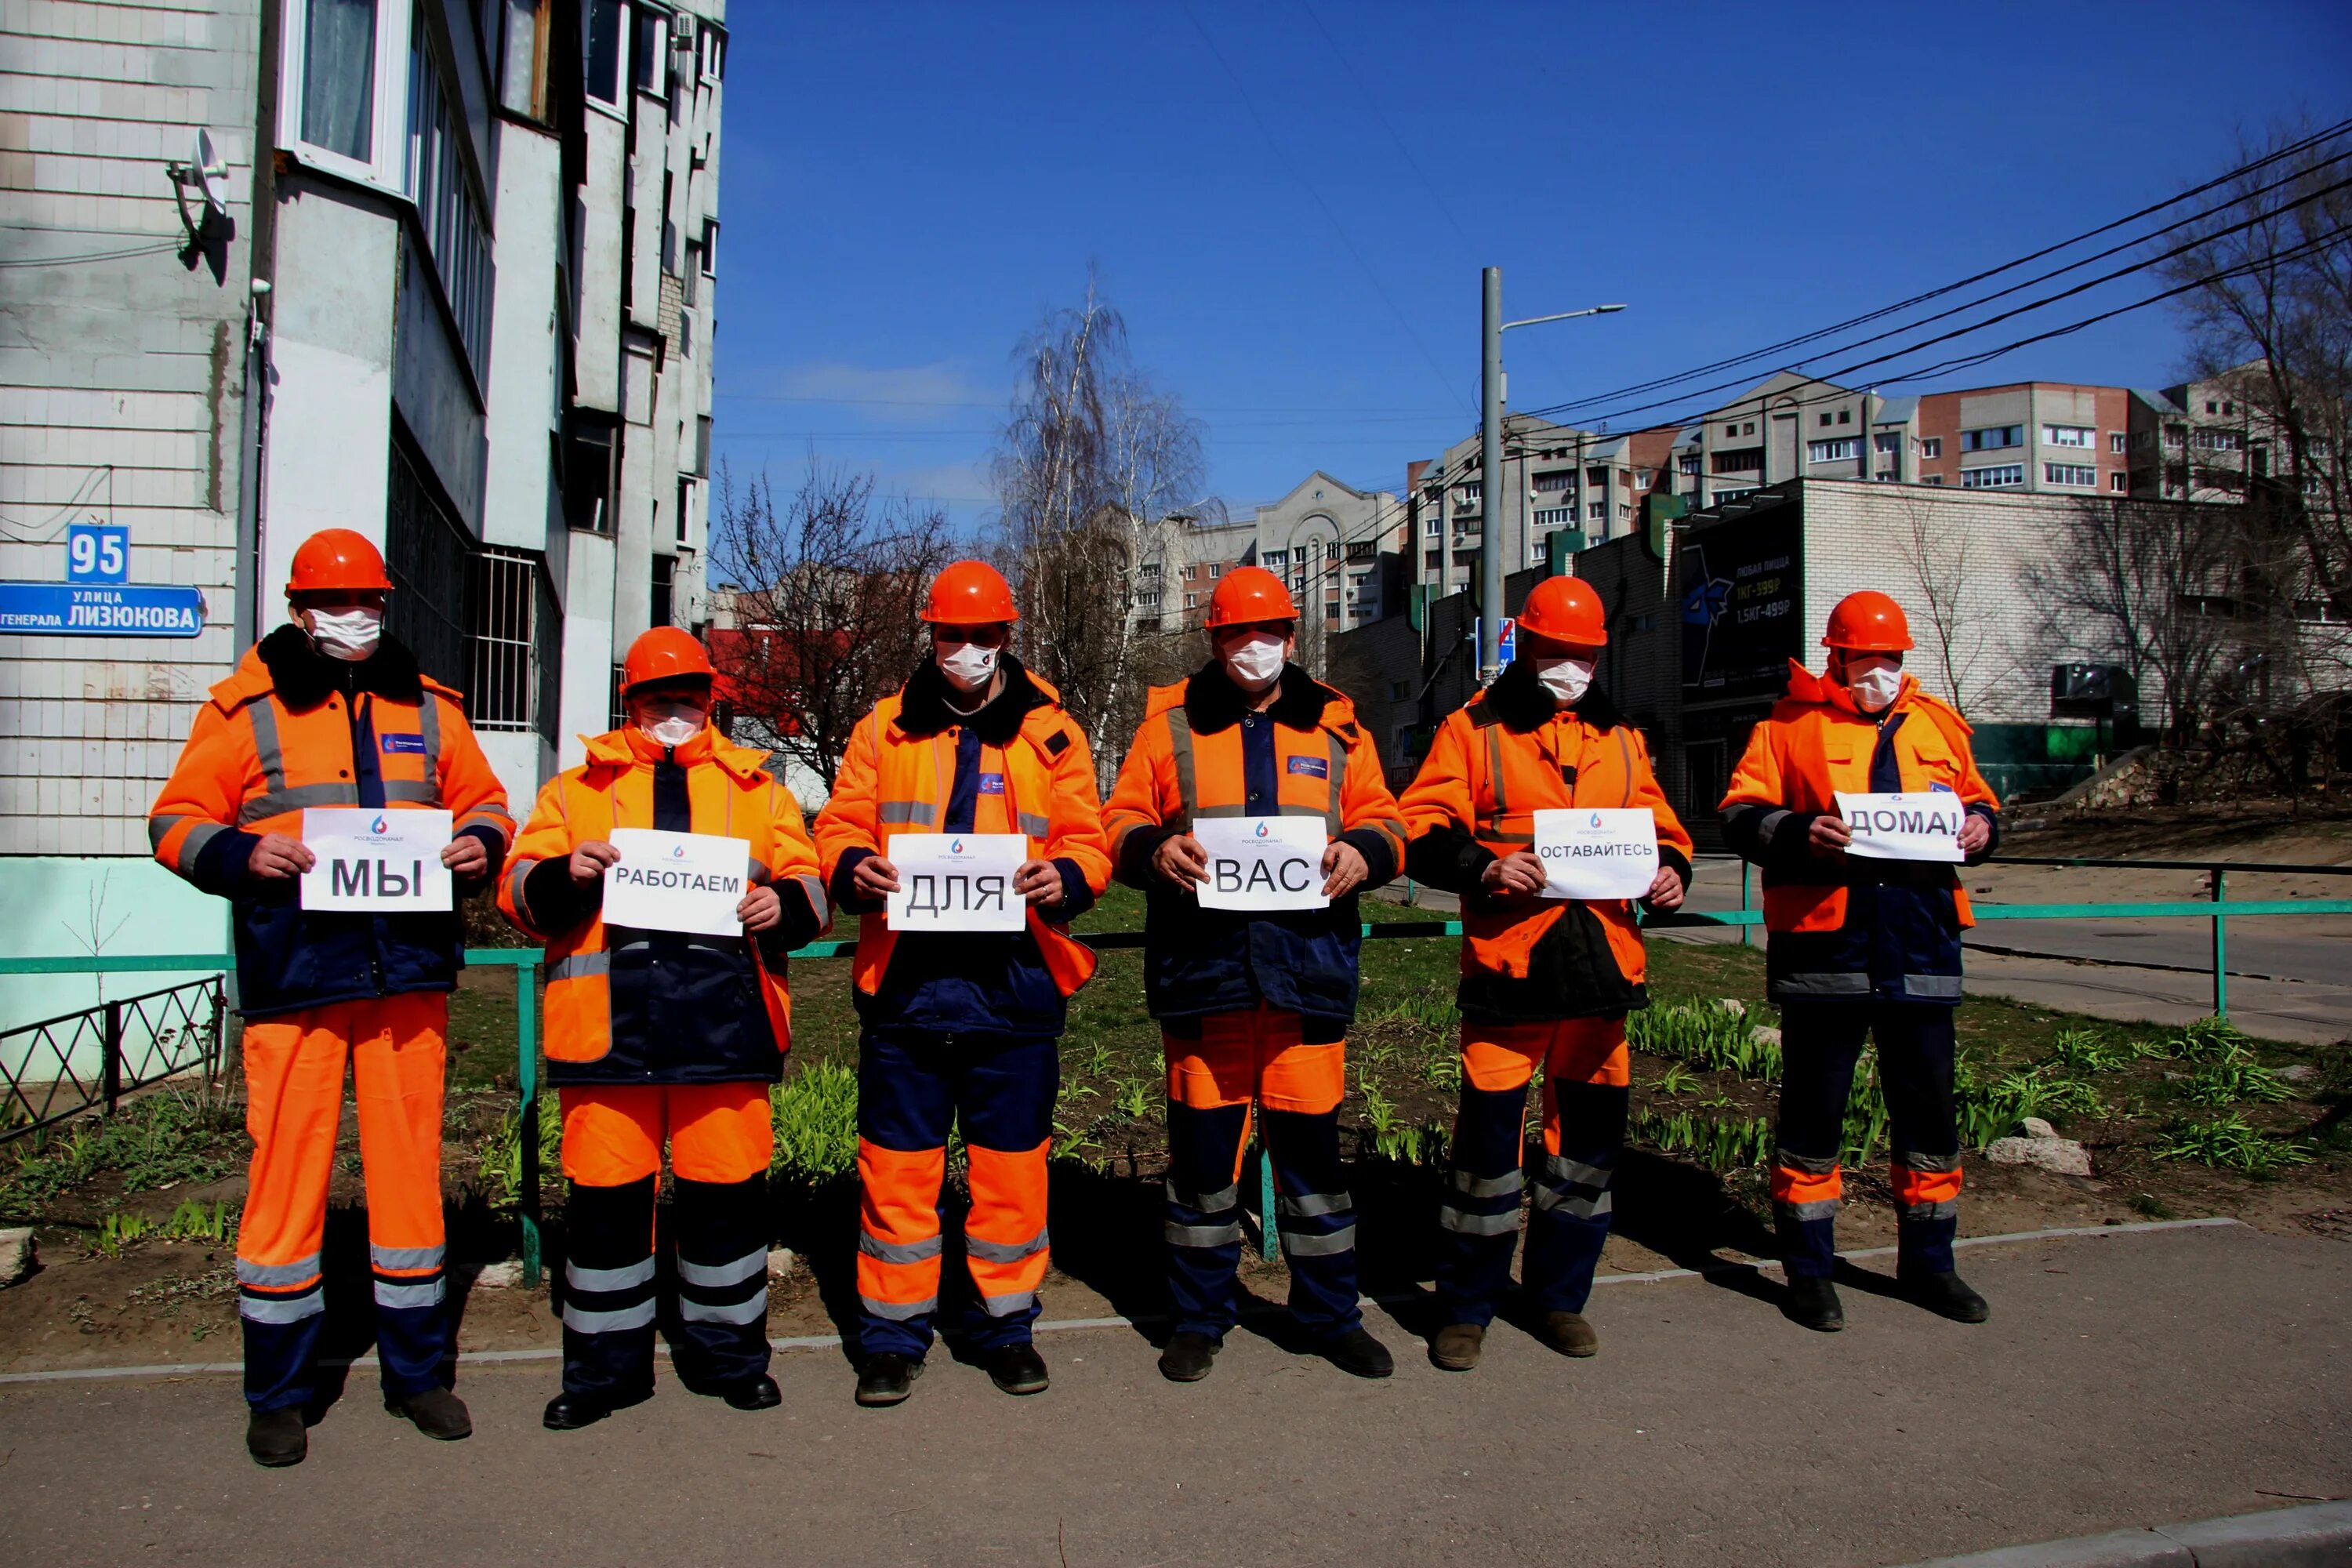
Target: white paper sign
(1262, 862)
(376, 859)
(957, 881)
(1914, 825)
(678, 881)
(1597, 852)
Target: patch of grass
(2231, 1143)
(2091, 1050)
(499, 1158)
(816, 1112)
(1717, 1145)
(2206, 1040)
(2235, 1079)
(1706, 1035)
(1677, 1079)
(152, 1142)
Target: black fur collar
(1213, 702)
(923, 707)
(304, 676)
(1519, 700)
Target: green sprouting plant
(154, 1142)
(194, 1221)
(1718, 1145)
(2090, 1050)
(2206, 1040)
(2234, 1078)
(117, 1230)
(1677, 1079)
(1705, 1036)
(816, 1123)
(2232, 1142)
(500, 1155)
(1136, 1097)
(1443, 1070)
(1098, 1062)
(1380, 1111)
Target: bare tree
(1096, 469)
(2133, 583)
(1934, 546)
(826, 589)
(2269, 315)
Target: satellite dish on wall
(207, 173)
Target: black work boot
(1357, 1352)
(570, 1412)
(1018, 1369)
(1812, 1303)
(1187, 1357)
(887, 1379)
(1457, 1346)
(276, 1437)
(437, 1412)
(760, 1394)
(1944, 1294)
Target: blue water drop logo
(1596, 819)
(955, 846)
(1261, 830)
(381, 825)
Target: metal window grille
(431, 560)
(513, 602)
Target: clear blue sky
(1294, 231)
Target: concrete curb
(2316, 1536)
(826, 1342)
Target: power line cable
(2303, 145)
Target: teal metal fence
(2218, 909)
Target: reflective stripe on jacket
(898, 778)
(626, 1005)
(276, 738)
(1493, 763)
(1200, 752)
(1843, 925)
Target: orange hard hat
(665, 653)
(337, 558)
(1868, 622)
(1566, 609)
(971, 594)
(1249, 593)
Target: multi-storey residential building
(459, 301)
(1557, 480)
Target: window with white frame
(1555, 482)
(1991, 437)
(1434, 524)
(2068, 436)
(2079, 474)
(602, 43)
(2119, 482)
(1598, 511)
(1839, 451)
(2220, 441)
(1556, 516)
(1274, 558)
(1688, 464)
(1992, 478)
(344, 107)
(710, 44)
(652, 51)
(1887, 441)
(1538, 548)
(2118, 442)
(1931, 446)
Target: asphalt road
(2125, 1379)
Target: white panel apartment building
(461, 302)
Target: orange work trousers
(294, 1066)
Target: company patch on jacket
(403, 745)
(991, 783)
(1058, 741)
(1319, 766)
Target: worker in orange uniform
(1861, 947)
(656, 1035)
(960, 1027)
(1545, 982)
(1254, 1004)
(328, 711)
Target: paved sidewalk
(2125, 1379)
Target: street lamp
(1490, 465)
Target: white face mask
(969, 666)
(1875, 682)
(670, 722)
(348, 635)
(1255, 664)
(1565, 679)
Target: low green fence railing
(2218, 909)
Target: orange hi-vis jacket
(1906, 943)
(291, 729)
(1037, 780)
(626, 1005)
(1200, 754)
(1493, 763)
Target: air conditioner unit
(682, 27)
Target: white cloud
(938, 394)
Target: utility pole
(1490, 462)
